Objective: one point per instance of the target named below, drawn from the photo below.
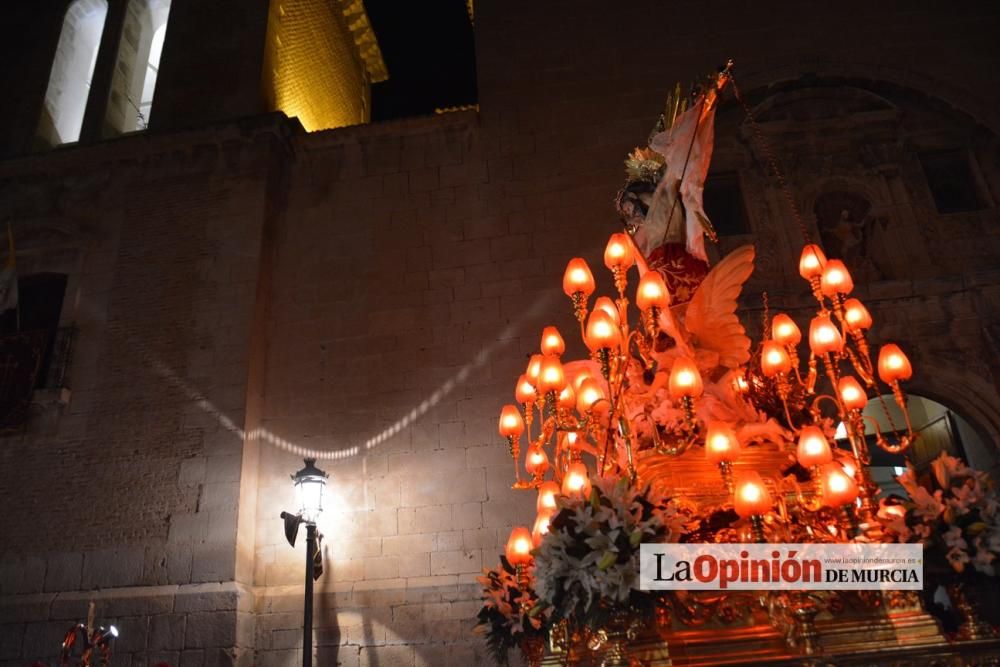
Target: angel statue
(707, 330)
(704, 329)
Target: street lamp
(309, 485)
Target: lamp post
(309, 484)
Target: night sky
(429, 50)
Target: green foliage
(509, 614)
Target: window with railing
(34, 350)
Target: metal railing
(26, 358)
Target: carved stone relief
(847, 230)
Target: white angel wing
(669, 325)
(711, 315)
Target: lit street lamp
(309, 484)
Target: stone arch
(840, 98)
(134, 82)
(873, 76)
(969, 395)
(72, 69)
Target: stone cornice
(150, 145)
(365, 42)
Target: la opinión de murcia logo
(781, 566)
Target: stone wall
(402, 303)
(128, 493)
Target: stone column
(104, 71)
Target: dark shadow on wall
(369, 640)
(327, 635)
(383, 627)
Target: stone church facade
(244, 292)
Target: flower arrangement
(510, 613)
(954, 512)
(587, 566)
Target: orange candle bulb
(685, 380)
(576, 481)
(519, 546)
(652, 292)
(774, 359)
(536, 461)
(511, 423)
(590, 392)
(856, 316)
(839, 488)
(541, 527)
(578, 278)
(602, 332)
(893, 365)
(814, 448)
(784, 330)
(811, 262)
(750, 496)
(552, 342)
(824, 337)
(551, 376)
(836, 279)
(567, 398)
(547, 493)
(525, 392)
(581, 377)
(534, 366)
(608, 306)
(721, 444)
(569, 439)
(852, 395)
(618, 252)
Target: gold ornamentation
(965, 602)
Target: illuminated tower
(320, 61)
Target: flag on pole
(8, 277)
(687, 148)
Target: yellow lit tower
(320, 60)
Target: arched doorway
(940, 429)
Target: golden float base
(899, 637)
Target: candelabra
(639, 394)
